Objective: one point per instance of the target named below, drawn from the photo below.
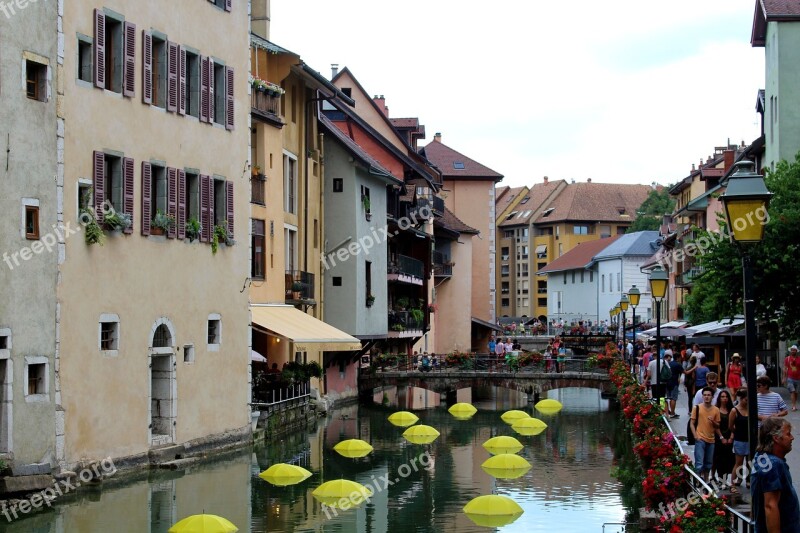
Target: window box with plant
(297, 289)
(265, 86)
(370, 300)
(116, 221)
(366, 204)
(221, 235)
(417, 315)
(193, 229)
(92, 232)
(161, 223)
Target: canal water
(568, 489)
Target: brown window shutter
(205, 232)
(172, 77)
(172, 199)
(147, 68)
(229, 107)
(228, 5)
(147, 180)
(210, 195)
(203, 89)
(99, 175)
(127, 190)
(99, 49)
(181, 80)
(229, 205)
(181, 221)
(129, 72)
(210, 67)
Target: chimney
(437, 137)
(546, 180)
(728, 156)
(693, 169)
(380, 101)
(334, 70)
(260, 17)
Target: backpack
(665, 375)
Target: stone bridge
(532, 383)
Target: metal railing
(442, 265)
(484, 362)
(438, 205)
(403, 264)
(299, 283)
(275, 393)
(403, 321)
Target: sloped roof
(769, 11)
(597, 202)
(404, 122)
(505, 195)
(446, 160)
(641, 243)
(539, 194)
(580, 256)
(450, 221)
(374, 166)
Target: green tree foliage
(776, 263)
(652, 210)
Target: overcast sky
(618, 91)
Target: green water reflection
(568, 489)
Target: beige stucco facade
(454, 300)
(122, 401)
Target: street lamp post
(658, 288)
(633, 296)
(623, 304)
(746, 200)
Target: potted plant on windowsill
(221, 235)
(161, 223)
(370, 300)
(193, 229)
(92, 232)
(297, 288)
(366, 204)
(418, 316)
(116, 221)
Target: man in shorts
(791, 377)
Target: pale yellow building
(153, 325)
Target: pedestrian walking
(769, 403)
(775, 504)
(737, 422)
(791, 378)
(723, 447)
(705, 428)
(733, 374)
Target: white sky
(619, 91)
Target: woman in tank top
(737, 423)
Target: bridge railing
(489, 363)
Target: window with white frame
(290, 242)
(214, 331)
(37, 379)
(5, 342)
(108, 333)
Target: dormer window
(548, 211)
(621, 210)
(458, 165)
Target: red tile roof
(539, 194)
(780, 7)
(596, 202)
(451, 221)
(443, 157)
(404, 122)
(505, 195)
(580, 256)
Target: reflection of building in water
(498, 398)
(579, 399)
(407, 398)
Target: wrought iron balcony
(442, 267)
(438, 205)
(406, 269)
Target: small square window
(337, 281)
(213, 331)
(109, 335)
(85, 58)
(338, 185)
(35, 80)
(37, 382)
(32, 222)
(188, 353)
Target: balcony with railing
(438, 205)
(299, 287)
(265, 104)
(403, 324)
(442, 266)
(406, 270)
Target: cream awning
(306, 332)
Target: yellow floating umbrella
(493, 510)
(403, 418)
(203, 523)
(282, 474)
(353, 448)
(529, 426)
(462, 410)
(421, 434)
(341, 493)
(549, 406)
(509, 417)
(502, 444)
(506, 461)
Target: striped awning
(306, 332)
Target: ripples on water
(568, 489)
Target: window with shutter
(257, 253)
(229, 206)
(129, 73)
(210, 68)
(114, 54)
(228, 5)
(172, 200)
(99, 49)
(204, 97)
(160, 72)
(147, 69)
(220, 94)
(146, 197)
(181, 220)
(219, 202)
(192, 77)
(127, 190)
(172, 77)
(205, 233)
(211, 205)
(229, 103)
(181, 80)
